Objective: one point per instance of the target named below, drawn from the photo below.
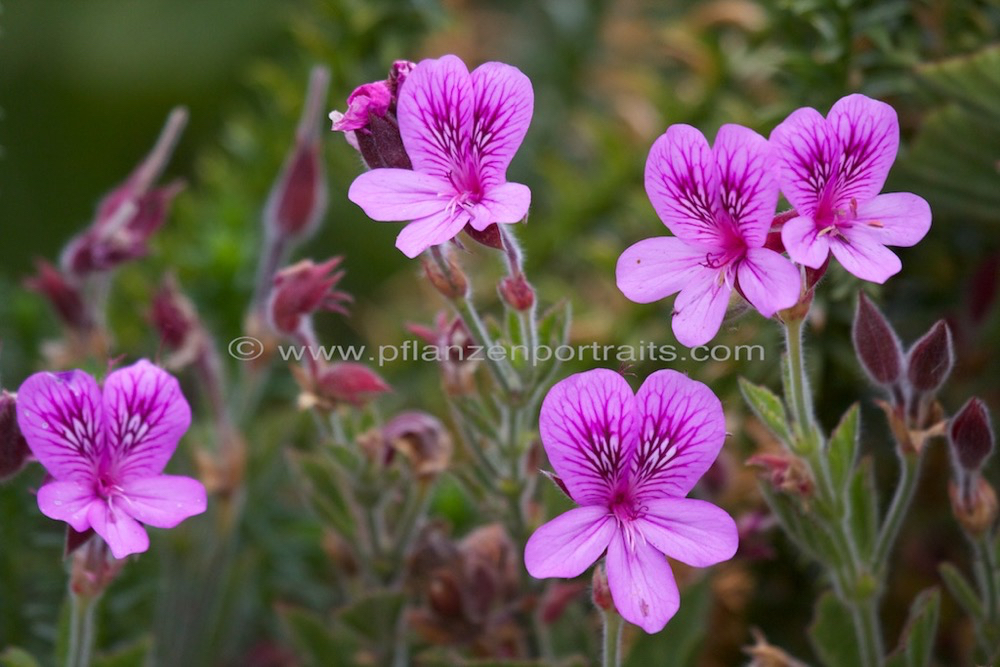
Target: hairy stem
(81, 630)
(901, 500)
(613, 626)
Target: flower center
(626, 511)
(107, 489)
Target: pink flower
(106, 450)
(832, 170)
(370, 98)
(718, 202)
(629, 460)
(460, 131)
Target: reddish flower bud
(370, 99)
(63, 294)
(489, 237)
(14, 451)
(786, 473)
(931, 358)
(451, 283)
(302, 289)
(298, 198)
(330, 385)
(422, 439)
(517, 293)
(971, 435)
(601, 590)
(876, 344)
(456, 352)
(93, 569)
(173, 315)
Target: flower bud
(456, 352)
(64, 296)
(298, 199)
(931, 358)
(451, 283)
(397, 76)
(75, 539)
(876, 344)
(971, 435)
(975, 508)
(489, 237)
(370, 99)
(517, 293)
(14, 451)
(601, 590)
(422, 439)
(330, 385)
(174, 317)
(786, 473)
(93, 569)
(302, 289)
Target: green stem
(901, 500)
(800, 398)
(991, 588)
(613, 626)
(499, 370)
(81, 630)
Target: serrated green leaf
(961, 590)
(832, 633)
(863, 506)
(916, 644)
(768, 408)
(843, 448)
(17, 657)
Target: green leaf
(832, 633)
(863, 505)
(768, 408)
(320, 489)
(683, 637)
(961, 590)
(313, 640)
(134, 654)
(17, 657)
(843, 449)
(916, 644)
(972, 80)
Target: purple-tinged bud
(450, 282)
(174, 317)
(456, 351)
(370, 99)
(601, 590)
(876, 344)
(327, 386)
(971, 435)
(14, 451)
(397, 76)
(299, 198)
(93, 569)
(517, 293)
(931, 358)
(785, 472)
(302, 289)
(489, 237)
(370, 125)
(422, 439)
(62, 293)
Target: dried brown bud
(931, 358)
(971, 435)
(516, 292)
(975, 508)
(422, 439)
(876, 344)
(14, 451)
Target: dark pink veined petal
(61, 417)
(587, 425)
(656, 268)
(399, 194)
(808, 153)
(804, 244)
(681, 429)
(769, 281)
(68, 501)
(435, 116)
(868, 131)
(683, 185)
(747, 186)
(123, 534)
(898, 218)
(146, 416)
(504, 102)
(163, 501)
(700, 308)
(505, 203)
(860, 250)
(435, 229)
(642, 584)
(692, 531)
(570, 543)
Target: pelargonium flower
(105, 451)
(832, 170)
(460, 131)
(629, 460)
(718, 202)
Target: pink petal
(700, 307)
(681, 430)
(656, 268)
(504, 203)
(747, 184)
(899, 218)
(587, 425)
(501, 114)
(68, 501)
(399, 194)
(642, 584)
(435, 116)
(808, 153)
(163, 501)
(860, 251)
(692, 531)
(122, 533)
(146, 415)
(570, 543)
(868, 133)
(683, 185)
(431, 230)
(805, 246)
(61, 417)
(769, 281)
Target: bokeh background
(85, 86)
